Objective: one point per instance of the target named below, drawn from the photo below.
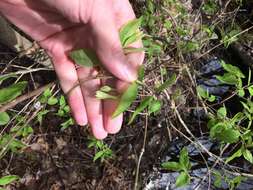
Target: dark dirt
(58, 160)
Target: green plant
(6, 180)
(230, 35)
(129, 33)
(233, 183)
(183, 166)
(235, 129)
(102, 150)
(210, 7)
(8, 94)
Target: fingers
(107, 43)
(68, 80)
(94, 106)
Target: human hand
(61, 26)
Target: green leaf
(98, 155)
(202, 92)
(183, 179)
(131, 39)
(52, 101)
(222, 112)
(84, 57)
(4, 118)
(103, 95)
(184, 159)
(66, 124)
(154, 106)
(105, 89)
(248, 155)
(241, 92)
(167, 83)
(40, 115)
(218, 179)
(237, 154)
(144, 104)
(227, 78)
(232, 69)
(229, 135)
(62, 101)
(8, 179)
(174, 166)
(141, 73)
(10, 93)
(129, 29)
(250, 89)
(126, 99)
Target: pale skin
(61, 26)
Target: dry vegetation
(41, 144)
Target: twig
(141, 154)
(25, 97)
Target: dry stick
(81, 81)
(141, 154)
(25, 97)
(197, 143)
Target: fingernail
(81, 120)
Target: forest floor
(42, 145)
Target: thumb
(108, 46)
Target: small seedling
(129, 34)
(183, 166)
(102, 150)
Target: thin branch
(141, 154)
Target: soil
(59, 160)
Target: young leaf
(228, 78)
(105, 89)
(129, 29)
(184, 159)
(126, 99)
(248, 155)
(9, 93)
(103, 95)
(8, 179)
(52, 101)
(154, 106)
(237, 154)
(141, 73)
(144, 104)
(174, 166)
(232, 70)
(229, 135)
(250, 89)
(133, 38)
(222, 112)
(98, 155)
(4, 118)
(167, 83)
(218, 179)
(183, 179)
(84, 57)
(241, 92)
(66, 124)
